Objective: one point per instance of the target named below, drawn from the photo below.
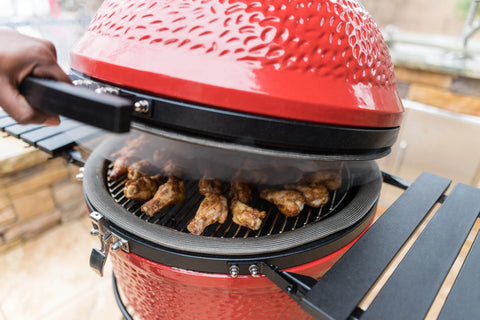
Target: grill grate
(178, 216)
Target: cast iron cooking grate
(178, 216)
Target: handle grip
(105, 111)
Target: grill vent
(178, 216)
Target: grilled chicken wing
(120, 167)
(210, 186)
(138, 169)
(142, 188)
(213, 209)
(246, 216)
(332, 180)
(169, 193)
(242, 213)
(315, 195)
(171, 169)
(241, 191)
(289, 202)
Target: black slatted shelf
(6, 122)
(56, 141)
(19, 129)
(415, 283)
(42, 133)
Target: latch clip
(108, 240)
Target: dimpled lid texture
(304, 60)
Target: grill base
(156, 291)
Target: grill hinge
(296, 286)
(108, 240)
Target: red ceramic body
(319, 61)
(156, 291)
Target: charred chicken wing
(210, 186)
(142, 188)
(246, 216)
(315, 195)
(289, 202)
(169, 193)
(120, 167)
(213, 209)
(241, 191)
(138, 169)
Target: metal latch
(108, 240)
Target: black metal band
(348, 143)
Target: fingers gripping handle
(105, 111)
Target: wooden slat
(341, 289)
(463, 302)
(410, 291)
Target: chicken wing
(142, 168)
(315, 195)
(210, 186)
(331, 179)
(246, 216)
(289, 202)
(120, 167)
(241, 191)
(171, 169)
(142, 188)
(170, 193)
(213, 209)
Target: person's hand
(20, 56)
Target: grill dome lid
(316, 61)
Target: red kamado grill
(270, 92)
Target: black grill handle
(102, 110)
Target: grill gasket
(177, 217)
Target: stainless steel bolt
(234, 270)
(142, 106)
(117, 245)
(254, 270)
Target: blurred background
(44, 232)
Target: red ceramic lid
(317, 61)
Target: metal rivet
(94, 232)
(233, 270)
(253, 270)
(142, 106)
(117, 245)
